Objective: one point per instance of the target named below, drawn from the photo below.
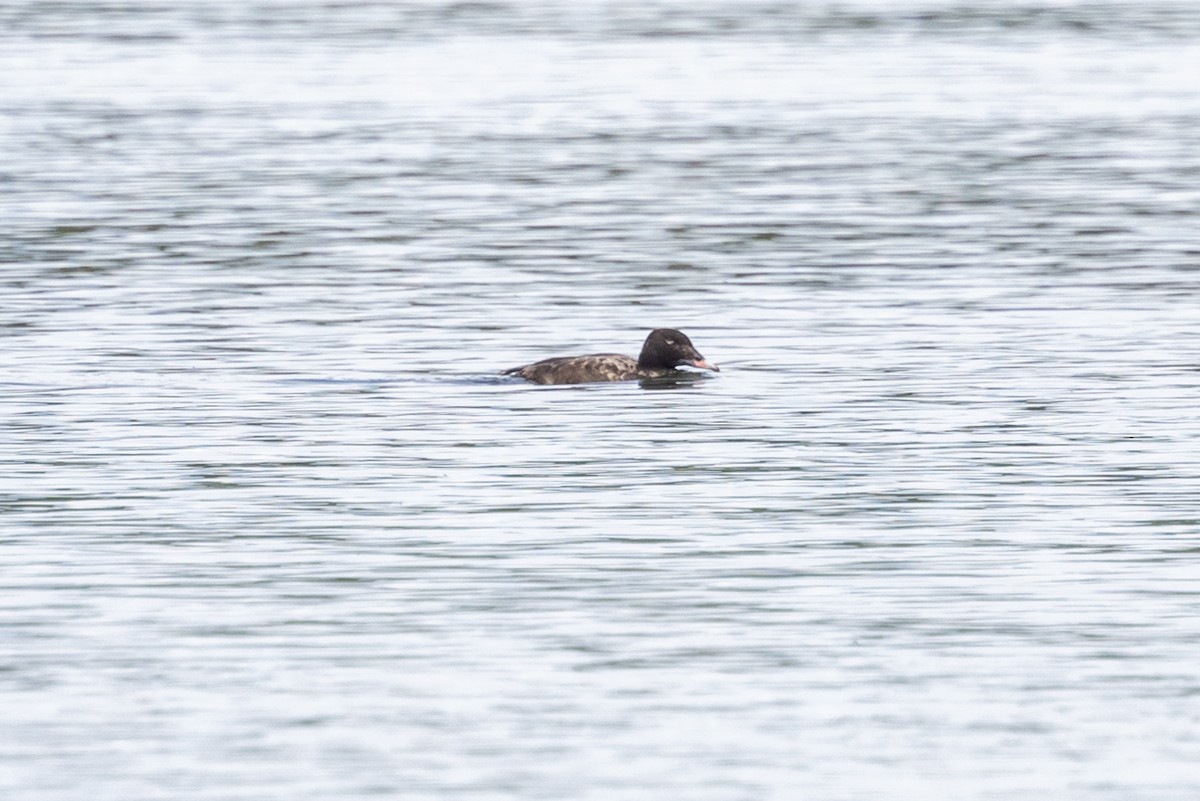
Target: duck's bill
(703, 365)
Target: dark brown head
(666, 349)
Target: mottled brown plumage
(664, 350)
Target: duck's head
(666, 349)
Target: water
(273, 528)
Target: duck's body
(664, 350)
(579, 369)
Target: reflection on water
(274, 527)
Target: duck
(664, 350)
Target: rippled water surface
(272, 526)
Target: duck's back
(579, 369)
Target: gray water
(272, 526)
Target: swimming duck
(664, 350)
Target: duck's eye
(670, 342)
